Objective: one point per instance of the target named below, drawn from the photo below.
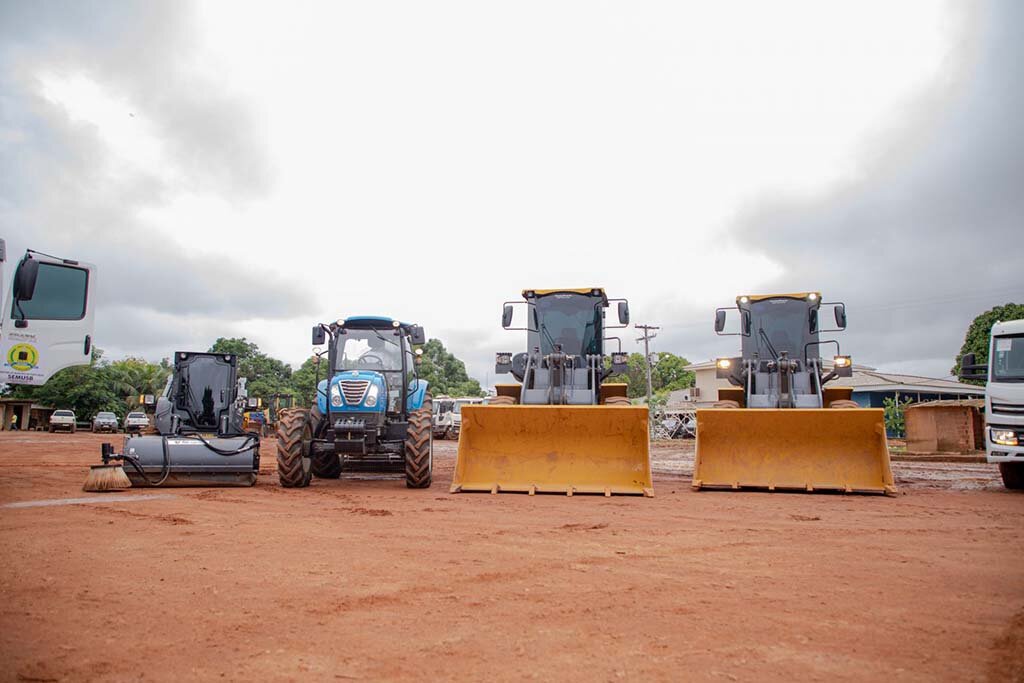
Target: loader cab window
(570, 320)
(59, 294)
(780, 326)
(1008, 359)
(204, 391)
(369, 349)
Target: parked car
(63, 420)
(104, 421)
(135, 422)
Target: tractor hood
(354, 391)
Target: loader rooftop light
(503, 358)
(744, 299)
(812, 297)
(724, 363)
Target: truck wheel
(419, 446)
(1013, 474)
(51, 429)
(294, 432)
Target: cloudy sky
(248, 169)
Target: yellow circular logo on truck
(22, 357)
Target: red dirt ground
(369, 580)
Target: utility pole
(646, 339)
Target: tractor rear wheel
(324, 465)
(294, 432)
(1013, 474)
(501, 401)
(419, 446)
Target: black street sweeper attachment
(200, 441)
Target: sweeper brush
(106, 478)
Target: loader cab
(201, 394)
(565, 335)
(780, 363)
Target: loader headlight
(371, 396)
(503, 359)
(335, 396)
(842, 361)
(724, 363)
(1004, 437)
(620, 358)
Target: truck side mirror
(417, 335)
(720, 320)
(623, 313)
(812, 320)
(506, 316)
(319, 335)
(25, 279)
(840, 316)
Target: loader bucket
(795, 449)
(553, 449)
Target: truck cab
(1004, 399)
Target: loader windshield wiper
(764, 338)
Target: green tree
(668, 374)
(895, 415)
(265, 375)
(304, 380)
(445, 373)
(976, 340)
(133, 377)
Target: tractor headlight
(724, 363)
(1004, 437)
(371, 396)
(335, 396)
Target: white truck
(63, 420)
(135, 422)
(1004, 399)
(47, 318)
(447, 421)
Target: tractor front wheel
(419, 446)
(325, 465)
(294, 432)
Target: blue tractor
(372, 413)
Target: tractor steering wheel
(372, 359)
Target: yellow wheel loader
(779, 427)
(561, 428)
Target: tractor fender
(415, 401)
(321, 396)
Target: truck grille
(1007, 409)
(353, 390)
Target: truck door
(47, 322)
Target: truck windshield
(1008, 359)
(572, 321)
(368, 349)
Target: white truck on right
(1004, 399)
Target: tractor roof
(593, 291)
(372, 321)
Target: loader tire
(843, 403)
(419, 447)
(294, 431)
(617, 401)
(727, 404)
(502, 401)
(1013, 474)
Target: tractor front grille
(354, 390)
